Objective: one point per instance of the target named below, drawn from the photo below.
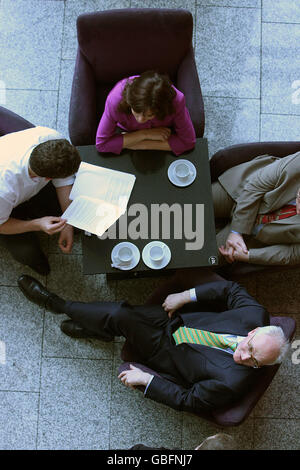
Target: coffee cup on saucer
(156, 253)
(124, 255)
(182, 171)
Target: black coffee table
(153, 187)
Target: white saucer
(152, 264)
(118, 264)
(182, 182)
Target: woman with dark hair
(151, 114)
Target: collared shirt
(16, 185)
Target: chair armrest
(12, 122)
(188, 83)
(234, 155)
(83, 119)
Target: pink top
(107, 140)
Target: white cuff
(193, 295)
(150, 380)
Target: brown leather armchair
(115, 44)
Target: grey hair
(276, 332)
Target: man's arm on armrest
(276, 255)
(16, 226)
(228, 293)
(47, 224)
(175, 301)
(202, 396)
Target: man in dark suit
(192, 377)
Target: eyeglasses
(250, 349)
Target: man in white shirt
(29, 160)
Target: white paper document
(99, 197)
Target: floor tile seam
(78, 358)
(60, 65)
(251, 419)
(40, 383)
(228, 6)
(281, 22)
(297, 418)
(182, 430)
(8, 285)
(232, 97)
(260, 80)
(262, 418)
(280, 114)
(112, 379)
(20, 391)
(30, 89)
(195, 26)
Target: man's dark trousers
(25, 247)
(147, 328)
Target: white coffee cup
(124, 254)
(182, 170)
(156, 253)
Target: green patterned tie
(207, 338)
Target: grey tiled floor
(58, 393)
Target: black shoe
(38, 294)
(73, 329)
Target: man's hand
(51, 225)
(133, 377)
(66, 238)
(240, 255)
(234, 242)
(236, 254)
(174, 301)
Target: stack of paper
(99, 197)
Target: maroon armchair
(12, 122)
(115, 44)
(231, 156)
(235, 413)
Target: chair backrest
(234, 155)
(12, 122)
(121, 43)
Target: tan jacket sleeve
(275, 255)
(271, 179)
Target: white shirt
(16, 185)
